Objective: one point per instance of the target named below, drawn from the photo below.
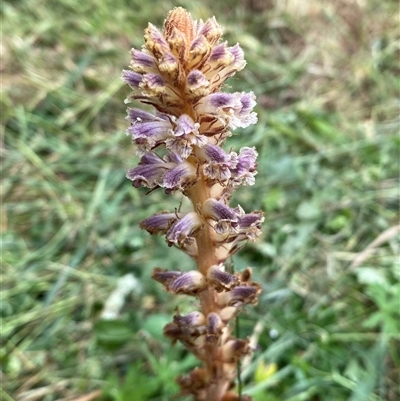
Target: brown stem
(207, 257)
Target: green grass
(326, 77)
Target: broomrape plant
(180, 72)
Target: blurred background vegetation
(326, 75)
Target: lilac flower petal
(150, 158)
(173, 157)
(155, 82)
(164, 276)
(147, 175)
(180, 177)
(218, 211)
(221, 55)
(155, 41)
(185, 126)
(142, 62)
(185, 136)
(219, 163)
(157, 129)
(243, 294)
(183, 230)
(215, 154)
(191, 319)
(214, 324)
(149, 134)
(139, 116)
(218, 100)
(238, 54)
(226, 219)
(169, 64)
(211, 30)
(220, 278)
(198, 54)
(254, 219)
(131, 78)
(189, 283)
(232, 108)
(159, 223)
(245, 170)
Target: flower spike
(180, 71)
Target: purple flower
(133, 79)
(220, 56)
(222, 280)
(184, 136)
(199, 52)
(233, 110)
(211, 30)
(142, 62)
(155, 41)
(242, 294)
(148, 131)
(214, 326)
(165, 277)
(179, 178)
(245, 170)
(149, 172)
(189, 283)
(237, 64)
(160, 222)
(218, 164)
(197, 84)
(226, 219)
(183, 230)
(169, 65)
(191, 319)
(153, 84)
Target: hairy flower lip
(184, 136)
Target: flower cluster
(180, 72)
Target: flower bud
(234, 349)
(192, 319)
(228, 313)
(214, 326)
